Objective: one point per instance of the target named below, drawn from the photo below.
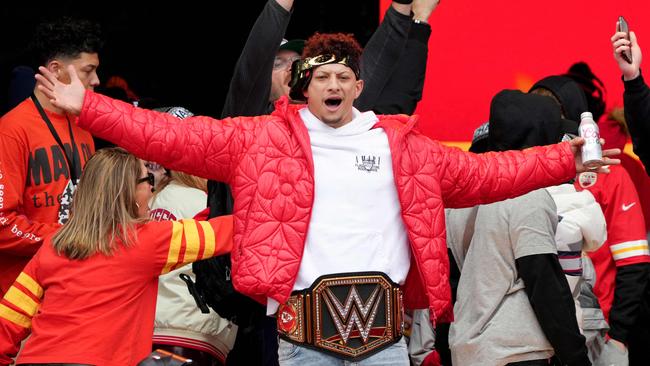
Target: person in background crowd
(622, 264)
(636, 102)
(180, 326)
(613, 129)
(523, 313)
(42, 151)
(88, 295)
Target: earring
(137, 205)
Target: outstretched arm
(177, 243)
(200, 146)
(469, 179)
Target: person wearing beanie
(333, 206)
(523, 311)
(623, 261)
(567, 93)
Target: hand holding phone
(623, 27)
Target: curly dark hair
(342, 46)
(64, 37)
(338, 44)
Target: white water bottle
(592, 153)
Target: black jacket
(636, 100)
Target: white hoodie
(581, 228)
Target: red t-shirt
(35, 187)
(626, 234)
(100, 310)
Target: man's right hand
(422, 9)
(69, 97)
(620, 44)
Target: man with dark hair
(394, 63)
(337, 212)
(42, 152)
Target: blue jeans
(291, 355)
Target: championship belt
(348, 315)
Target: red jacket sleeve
(177, 243)
(200, 146)
(14, 225)
(469, 179)
(17, 308)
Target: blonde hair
(104, 207)
(183, 179)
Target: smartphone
(623, 27)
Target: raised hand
(577, 143)
(620, 44)
(422, 9)
(68, 97)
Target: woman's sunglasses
(149, 179)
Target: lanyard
(72, 162)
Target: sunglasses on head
(301, 68)
(149, 179)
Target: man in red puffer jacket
(337, 212)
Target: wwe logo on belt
(363, 314)
(368, 163)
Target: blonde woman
(88, 295)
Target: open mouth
(333, 103)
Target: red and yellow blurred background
(478, 48)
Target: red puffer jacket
(267, 161)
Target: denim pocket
(287, 350)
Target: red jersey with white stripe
(626, 234)
(100, 310)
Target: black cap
(571, 97)
(295, 45)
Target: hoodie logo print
(368, 163)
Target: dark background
(180, 54)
